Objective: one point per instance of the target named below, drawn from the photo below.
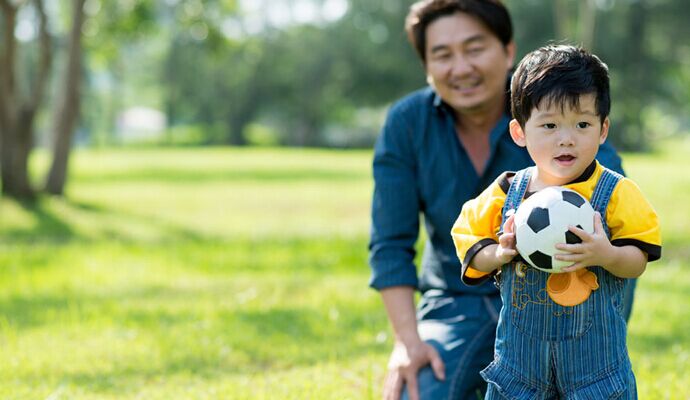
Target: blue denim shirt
(421, 167)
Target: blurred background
(186, 186)
(298, 72)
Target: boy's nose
(565, 138)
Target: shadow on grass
(287, 175)
(48, 225)
(53, 229)
(194, 343)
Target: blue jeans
(462, 328)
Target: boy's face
(562, 142)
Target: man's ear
(511, 51)
(517, 133)
(604, 130)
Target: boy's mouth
(565, 157)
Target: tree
(67, 109)
(18, 106)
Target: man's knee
(429, 386)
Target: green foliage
(226, 273)
(637, 41)
(203, 64)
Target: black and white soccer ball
(542, 221)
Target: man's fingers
(392, 387)
(437, 365)
(412, 389)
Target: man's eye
(583, 125)
(475, 50)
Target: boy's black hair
(491, 13)
(559, 74)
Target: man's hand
(595, 249)
(405, 363)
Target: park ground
(209, 273)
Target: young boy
(560, 104)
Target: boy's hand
(595, 249)
(505, 251)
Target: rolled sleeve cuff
(471, 276)
(653, 251)
(389, 274)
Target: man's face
(562, 141)
(467, 64)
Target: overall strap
(516, 193)
(602, 194)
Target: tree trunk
(17, 115)
(587, 17)
(637, 64)
(67, 112)
(562, 20)
(575, 24)
(242, 114)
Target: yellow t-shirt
(630, 218)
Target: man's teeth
(464, 85)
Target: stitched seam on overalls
(602, 195)
(516, 193)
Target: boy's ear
(517, 133)
(604, 130)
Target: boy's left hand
(595, 248)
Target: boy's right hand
(505, 251)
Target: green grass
(241, 273)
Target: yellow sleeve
(633, 221)
(477, 227)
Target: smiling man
(439, 147)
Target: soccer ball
(542, 221)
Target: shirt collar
(586, 174)
(438, 101)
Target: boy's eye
(583, 125)
(549, 125)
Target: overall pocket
(534, 314)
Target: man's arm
(394, 231)
(410, 352)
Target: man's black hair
(491, 13)
(559, 74)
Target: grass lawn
(241, 273)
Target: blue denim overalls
(547, 351)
